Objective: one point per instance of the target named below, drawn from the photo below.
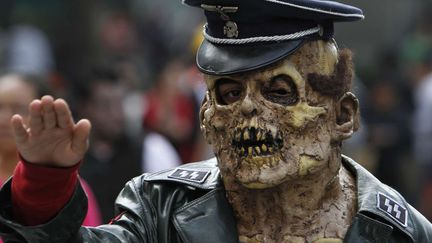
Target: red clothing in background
(93, 217)
(174, 118)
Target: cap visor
(217, 59)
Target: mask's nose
(250, 107)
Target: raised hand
(51, 137)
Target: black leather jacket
(181, 206)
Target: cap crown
(260, 23)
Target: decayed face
(269, 126)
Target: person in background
(389, 133)
(170, 111)
(113, 158)
(415, 56)
(422, 132)
(16, 91)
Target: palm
(49, 146)
(52, 138)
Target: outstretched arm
(51, 145)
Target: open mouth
(252, 141)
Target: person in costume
(277, 109)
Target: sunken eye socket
(282, 90)
(228, 91)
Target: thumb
(20, 132)
(81, 135)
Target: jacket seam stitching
(139, 193)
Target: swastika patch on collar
(190, 175)
(392, 208)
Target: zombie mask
(269, 126)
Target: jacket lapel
(208, 219)
(368, 190)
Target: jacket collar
(369, 190)
(203, 175)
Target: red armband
(40, 192)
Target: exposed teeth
(259, 135)
(254, 141)
(246, 135)
(254, 122)
(237, 136)
(257, 150)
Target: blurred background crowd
(128, 66)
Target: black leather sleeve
(134, 223)
(59, 229)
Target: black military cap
(243, 35)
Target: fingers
(19, 130)
(81, 135)
(64, 116)
(35, 121)
(48, 113)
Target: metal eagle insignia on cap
(392, 208)
(190, 175)
(230, 28)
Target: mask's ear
(347, 116)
